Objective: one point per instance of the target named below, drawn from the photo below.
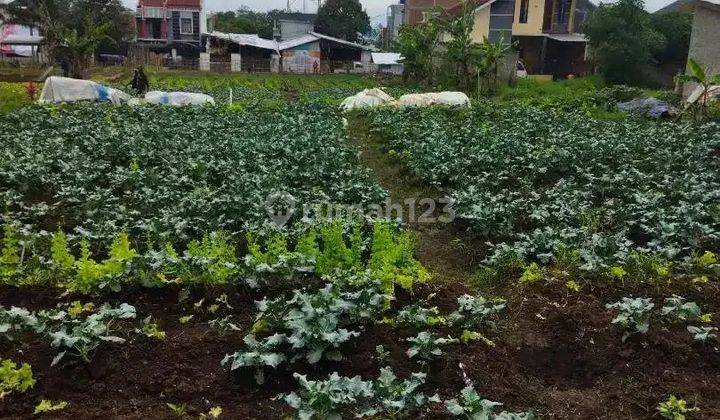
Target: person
(140, 82)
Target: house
(548, 33)
(171, 25)
(416, 11)
(20, 43)
(704, 45)
(293, 25)
(493, 19)
(312, 52)
(387, 63)
(395, 18)
(549, 36)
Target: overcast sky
(375, 8)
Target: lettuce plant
(675, 408)
(14, 379)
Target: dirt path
(448, 249)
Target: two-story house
(547, 32)
(549, 35)
(171, 24)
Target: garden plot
(539, 183)
(173, 174)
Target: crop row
(539, 183)
(169, 173)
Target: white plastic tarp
(178, 98)
(457, 99)
(64, 89)
(366, 98)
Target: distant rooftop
(297, 17)
(170, 3)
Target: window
(186, 23)
(524, 10)
(153, 12)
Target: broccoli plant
(328, 399)
(425, 346)
(703, 334)
(386, 396)
(314, 324)
(15, 379)
(308, 325)
(258, 354)
(633, 315)
(393, 396)
(676, 307)
(473, 407)
(475, 311)
(82, 337)
(418, 316)
(78, 336)
(15, 320)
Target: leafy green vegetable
(471, 406)
(675, 408)
(13, 378)
(633, 315)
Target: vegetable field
(144, 273)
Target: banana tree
(696, 74)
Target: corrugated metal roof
(292, 43)
(342, 41)
(171, 3)
(269, 44)
(251, 40)
(386, 58)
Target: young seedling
(675, 408)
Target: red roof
(170, 3)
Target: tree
(245, 21)
(490, 55)
(676, 28)
(696, 74)
(461, 52)
(622, 40)
(342, 19)
(73, 29)
(416, 45)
